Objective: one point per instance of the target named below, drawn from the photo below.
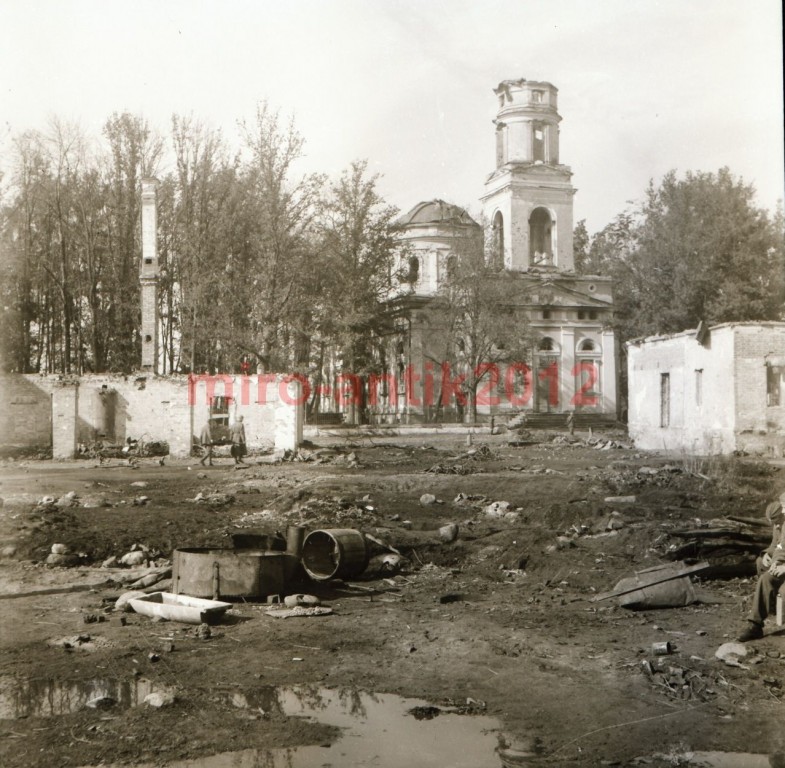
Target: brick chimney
(148, 276)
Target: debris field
(490, 588)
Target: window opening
(546, 344)
(498, 241)
(414, 270)
(665, 399)
(501, 135)
(219, 417)
(775, 383)
(698, 386)
(538, 143)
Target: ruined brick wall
(111, 408)
(718, 393)
(760, 426)
(173, 409)
(25, 414)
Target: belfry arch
(542, 229)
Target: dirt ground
(499, 622)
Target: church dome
(436, 212)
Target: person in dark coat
(237, 436)
(771, 573)
(206, 439)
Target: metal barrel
(207, 572)
(335, 553)
(295, 534)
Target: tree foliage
(696, 249)
(358, 243)
(259, 262)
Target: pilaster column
(65, 419)
(608, 371)
(567, 363)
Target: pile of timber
(729, 544)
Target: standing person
(237, 435)
(771, 573)
(206, 439)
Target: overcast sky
(644, 85)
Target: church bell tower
(528, 198)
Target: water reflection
(26, 697)
(729, 760)
(377, 731)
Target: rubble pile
(214, 499)
(132, 447)
(452, 469)
(463, 464)
(698, 682)
(729, 544)
(335, 456)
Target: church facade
(528, 207)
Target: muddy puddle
(31, 697)
(382, 730)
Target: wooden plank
(58, 590)
(750, 521)
(718, 533)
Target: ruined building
(709, 391)
(527, 204)
(570, 364)
(70, 413)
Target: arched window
(588, 375)
(547, 345)
(450, 264)
(588, 346)
(540, 237)
(547, 376)
(414, 270)
(497, 254)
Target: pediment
(556, 294)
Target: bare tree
(483, 324)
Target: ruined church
(528, 203)
(570, 366)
